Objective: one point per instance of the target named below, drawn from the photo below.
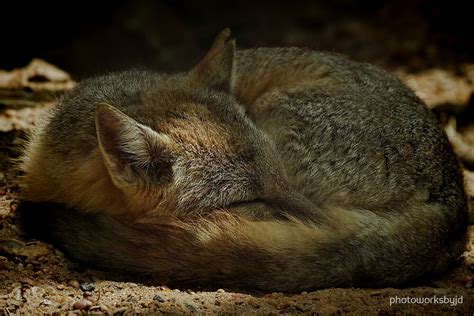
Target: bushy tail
(352, 248)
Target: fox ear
(130, 150)
(216, 69)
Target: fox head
(196, 150)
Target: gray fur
(282, 169)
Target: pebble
(191, 308)
(87, 286)
(468, 281)
(17, 294)
(220, 291)
(120, 311)
(35, 290)
(74, 284)
(440, 291)
(253, 302)
(82, 304)
(105, 308)
(13, 207)
(58, 253)
(284, 306)
(47, 302)
(158, 298)
(27, 281)
(50, 289)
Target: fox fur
(279, 169)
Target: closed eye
(246, 202)
(257, 209)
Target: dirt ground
(36, 278)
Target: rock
(253, 302)
(18, 248)
(105, 308)
(87, 286)
(58, 253)
(469, 70)
(191, 308)
(120, 311)
(47, 302)
(27, 281)
(158, 298)
(27, 92)
(16, 294)
(38, 76)
(438, 87)
(74, 284)
(82, 305)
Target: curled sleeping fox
(278, 169)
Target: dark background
(86, 38)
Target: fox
(272, 169)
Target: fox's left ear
(130, 150)
(216, 69)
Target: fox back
(273, 168)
